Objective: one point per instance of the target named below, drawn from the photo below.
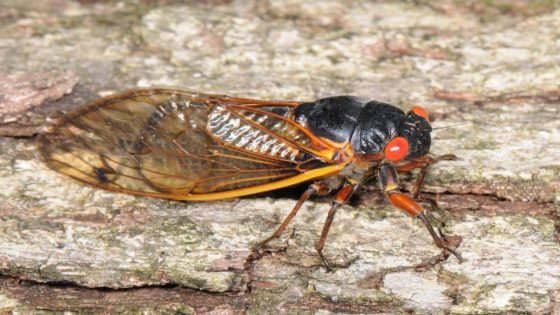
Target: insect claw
(439, 238)
(443, 245)
(454, 253)
(259, 246)
(326, 263)
(262, 244)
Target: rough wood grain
(490, 66)
(20, 92)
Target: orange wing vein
(183, 145)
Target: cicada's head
(385, 132)
(416, 130)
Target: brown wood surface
(490, 67)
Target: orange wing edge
(290, 181)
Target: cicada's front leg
(390, 185)
(422, 163)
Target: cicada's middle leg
(319, 189)
(341, 197)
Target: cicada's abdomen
(226, 125)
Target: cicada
(184, 145)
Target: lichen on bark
(488, 67)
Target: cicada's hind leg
(319, 189)
(341, 197)
(390, 184)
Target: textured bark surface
(490, 66)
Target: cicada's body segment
(185, 145)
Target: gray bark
(490, 66)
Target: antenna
(450, 126)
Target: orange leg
(314, 189)
(422, 163)
(389, 180)
(341, 197)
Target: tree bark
(486, 72)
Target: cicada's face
(385, 132)
(411, 138)
(416, 130)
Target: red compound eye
(396, 149)
(420, 112)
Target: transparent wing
(182, 145)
